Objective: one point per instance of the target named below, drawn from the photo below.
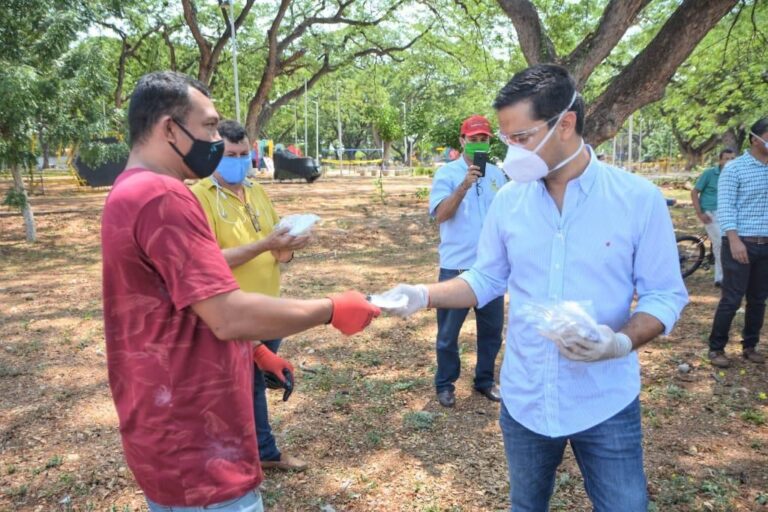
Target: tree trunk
(734, 139)
(29, 217)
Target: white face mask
(765, 142)
(523, 165)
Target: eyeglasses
(521, 138)
(254, 217)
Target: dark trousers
(490, 321)
(740, 280)
(267, 446)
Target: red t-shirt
(183, 396)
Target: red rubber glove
(352, 312)
(278, 373)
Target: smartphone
(480, 159)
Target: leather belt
(759, 240)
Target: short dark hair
(232, 131)
(759, 128)
(156, 95)
(726, 151)
(548, 87)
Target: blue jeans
(490, 321)
(610, 456)
(248, 502)
(267, 445)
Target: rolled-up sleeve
(659, 284)
(727, 190)
(488, 276)
(442, 187)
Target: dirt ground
(364, 414)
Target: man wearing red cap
(460, 197)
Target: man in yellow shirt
(243, 220)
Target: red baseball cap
(475, 124)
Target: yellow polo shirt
(232, 226)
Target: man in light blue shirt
(742, 198)
(570, 228)
(459, 200)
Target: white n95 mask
(523, 165)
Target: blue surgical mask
(234, 169)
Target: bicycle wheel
(691, 252)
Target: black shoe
(492, 393)
(718, 284)
(446, 398)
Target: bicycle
(692, 252)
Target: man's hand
(278, 373)
(738, 250)
(577, 348)
(418, 298)
(352, 312)
(278, 239)
(704, 218)
(472, 175)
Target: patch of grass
(753, 416)
(675, 392)
(9, 371)
(10, 469)
(271, 496)
(54, 462)
(419, 420)
(17, 492)
(675, 491)
(29, 348)
(405, 385)
(373, 438)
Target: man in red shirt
(174, 316)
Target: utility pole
(317, 131)
(338, 112)
(405, 134)
(306, 142)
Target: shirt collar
(212, 182)
(586, 179)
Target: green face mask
(471, 147)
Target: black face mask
(203, 157)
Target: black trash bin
(291, 167)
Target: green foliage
(754, 416)
(95, 154)
(419, 420)
(422, 193)
(15, 199)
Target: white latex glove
(417, 295)
(577, 348)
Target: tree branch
(644, 79)
(536, 45)
(617, 17)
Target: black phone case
(480, 159)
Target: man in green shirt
(704, 197)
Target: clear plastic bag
(299, 223)
(565, 320)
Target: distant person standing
(742, 209)
(460, 198)
(704, 198)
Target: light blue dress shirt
(613, 238)
(742, 196)
(459, 234)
